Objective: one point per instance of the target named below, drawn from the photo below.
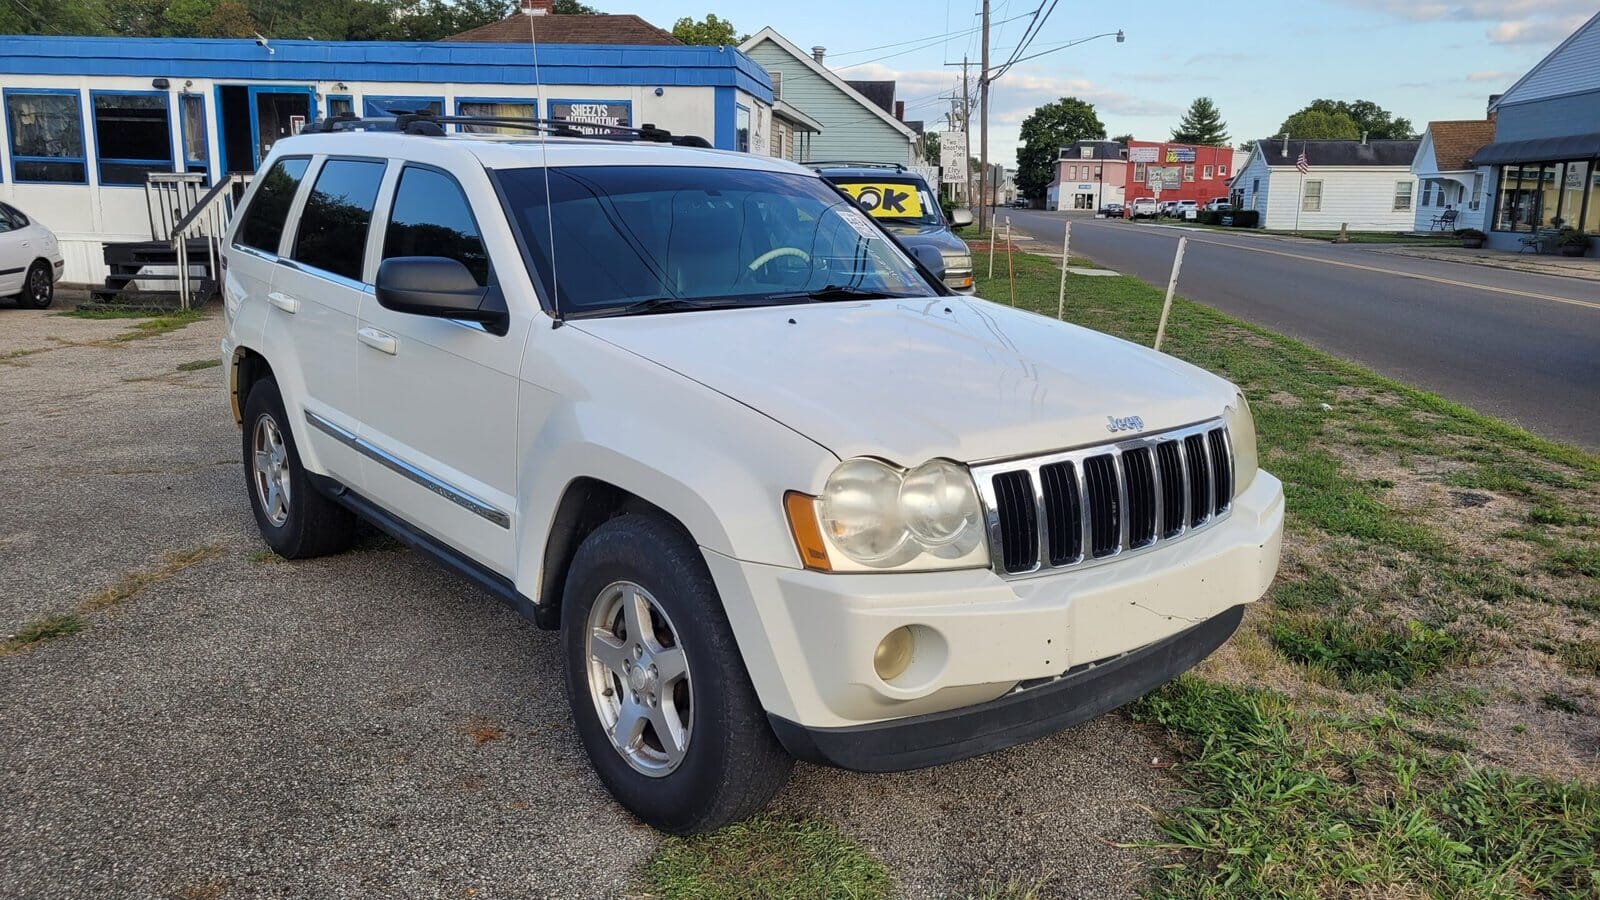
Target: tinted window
(263, 221)
(431, 218)
(46, 136)
(333, 227)
(131, 137)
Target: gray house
(850, 125)
(1544, 163)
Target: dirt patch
(483, 731)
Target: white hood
(910, 380)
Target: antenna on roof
(531, 9)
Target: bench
(1541, 241)
(1445, 221)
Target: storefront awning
(1572, 146)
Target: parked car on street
(901, 201)
(30, 259)
(1144, 208)
(783, 493)
(1183, 209)
(1111, 210)
(1218, 203)
(1164, 207)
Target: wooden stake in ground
(1066, 247)
(1172, 285)
(1011, 269)
(994, 232)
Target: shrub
(1246, 218)
(1469, 234)
(1572, 237)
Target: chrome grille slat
(1084, 507)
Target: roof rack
(427, 124)
(858, 164)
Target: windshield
(628, 239)
(894, 201)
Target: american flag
(1301, 163)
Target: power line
(932, 37)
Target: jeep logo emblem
(1115, 424)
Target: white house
(1446, 182)
(1365, 185)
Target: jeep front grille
(1092, 505)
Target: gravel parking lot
(226, 724)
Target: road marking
(1590, 304)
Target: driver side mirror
(440, 287)
(931, 259)
(960, 217)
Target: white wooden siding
(1359, 196)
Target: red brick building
(1179, 171)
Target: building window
(1311, 198)
(269, 207)
(340, 105)
(1222, 171)
(1477, 191)
(378, 107)
(741, 129)
(1573, 182)
(46, 131)
(132, 137)
(1255, 185)
(1072, 173)
(1402, 196)
(1427, 192)
(1138, 172)
(192, 121)
(496, 109)
(333, 228)
(777, 86)
(1207, 175)
(1188, 172)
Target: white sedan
(30, 260)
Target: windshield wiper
(657, 305)
(833, 292)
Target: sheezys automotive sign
(593, 112)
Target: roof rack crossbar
(855, 163)
(428, 124)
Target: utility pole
(966, 134)
(983, 123)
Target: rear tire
(38, 288)
(296, 520)
(665, 709)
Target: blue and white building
(88, 120)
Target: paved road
(1522, 347)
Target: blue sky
(1260, 61)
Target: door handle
(378, 340)
(284, 302)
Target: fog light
(893, 656)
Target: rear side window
(431, 217)
(332, 235)
(263, 220)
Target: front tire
(296, 520)
(658, 690)
(38, 288)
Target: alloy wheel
(270, 459)
(639, 679)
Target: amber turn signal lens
(802, 512)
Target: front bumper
(808, 638)
(1025, 714)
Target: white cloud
(1510, 21)
(1506, 77)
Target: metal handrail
(208, 218)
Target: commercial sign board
(953, 156)
(1170, 177)
(593, 112)
(1180, 154)
(1143, 154)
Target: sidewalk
(1571, 267)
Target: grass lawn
(1414, 709)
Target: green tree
(572, 8)
(1045, 131)
(1202, 124)
(1320, 125)
(227, 19)
(711, 32)
(1123, 139)
(1369, 118)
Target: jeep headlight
(957, 261)
(872, 516)
(1242, 434)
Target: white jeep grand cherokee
(783, 494)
